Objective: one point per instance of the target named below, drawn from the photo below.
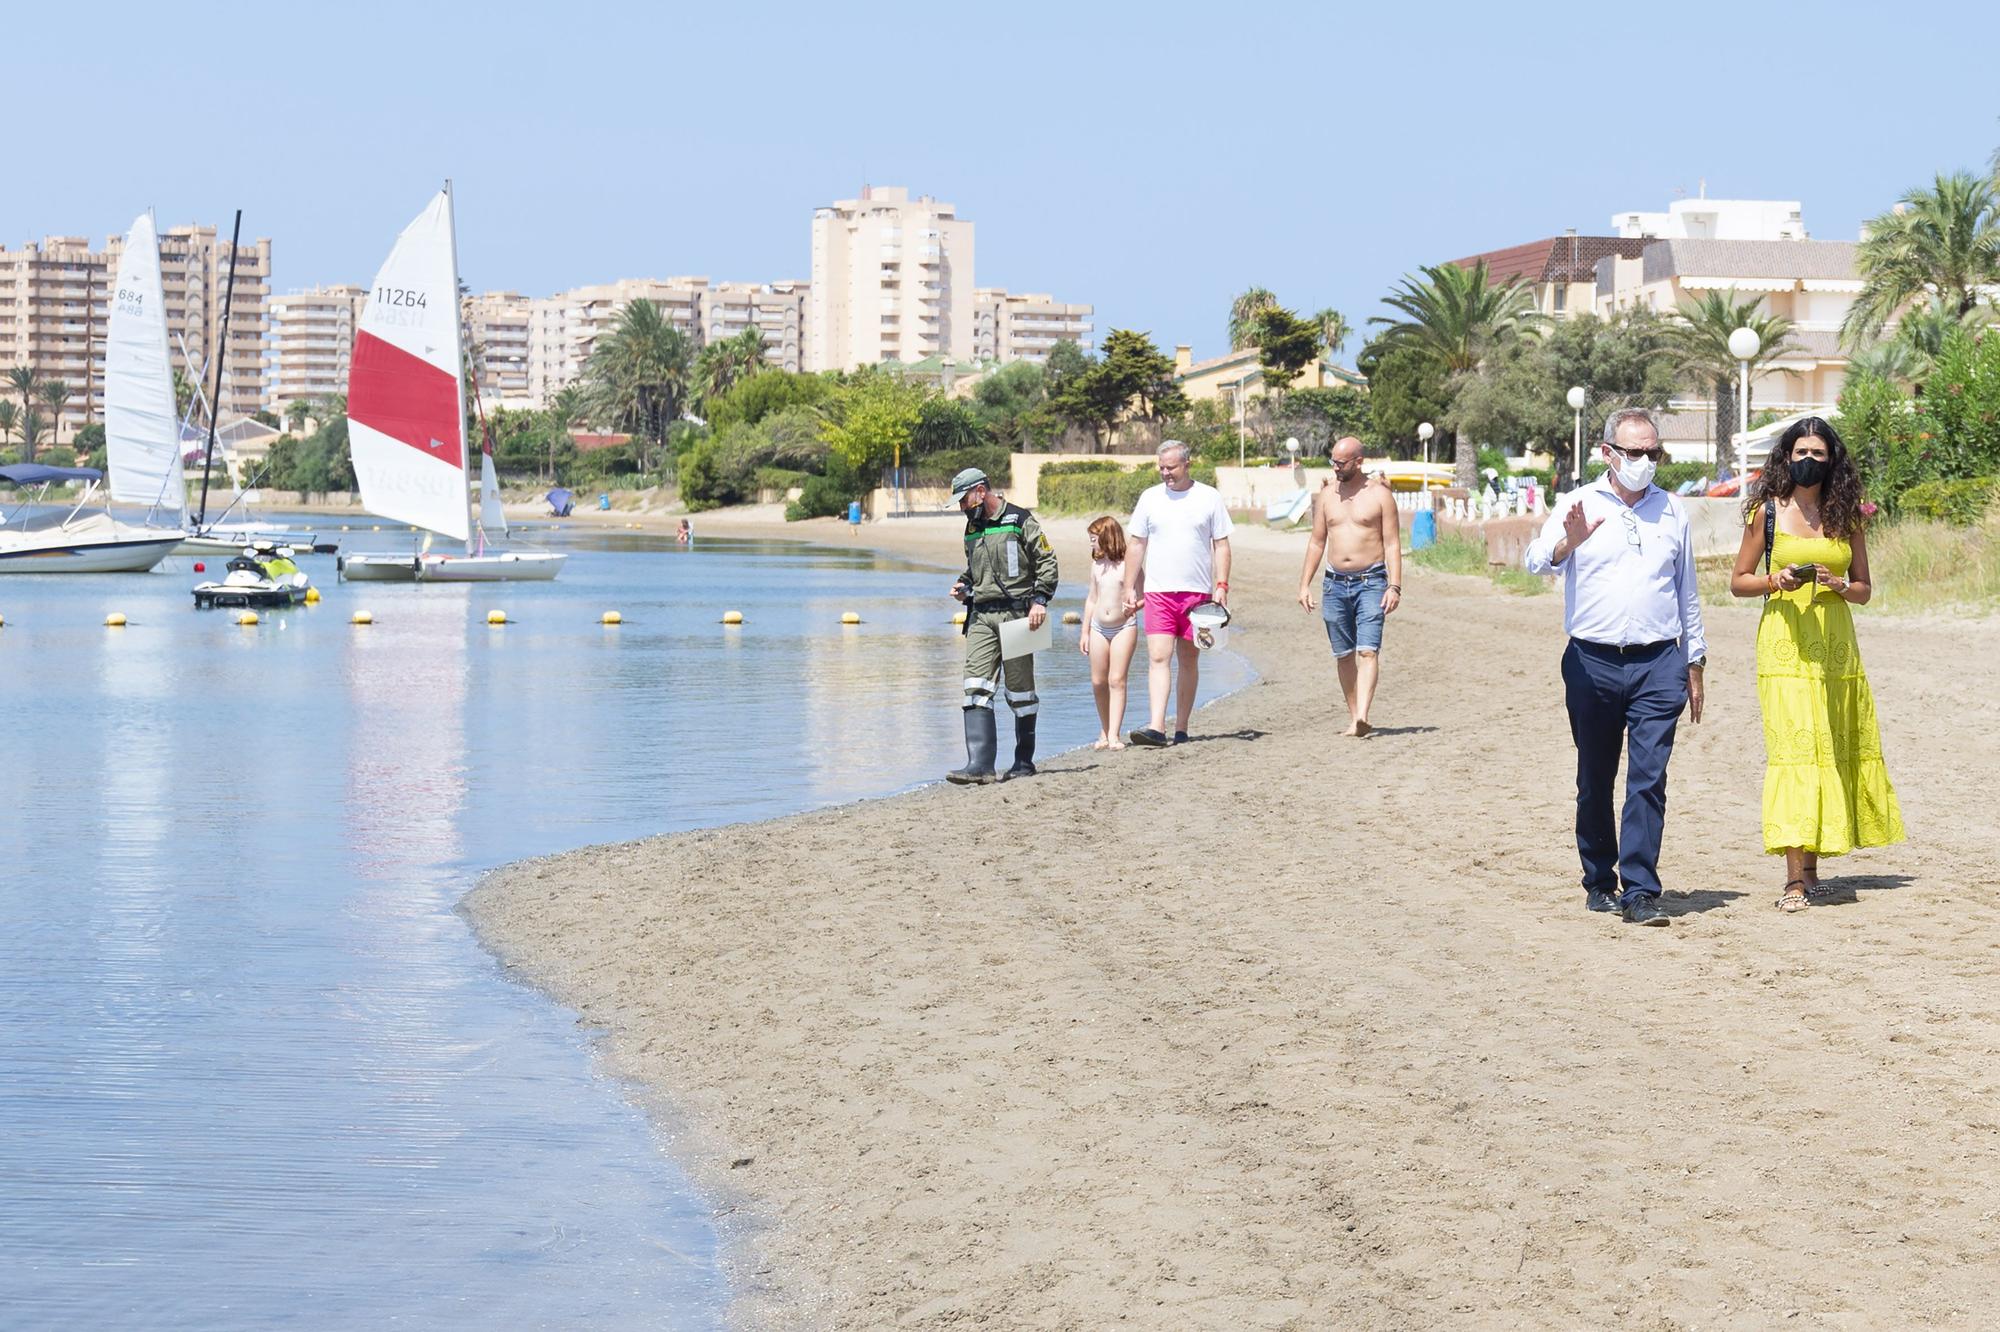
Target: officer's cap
(965, 481)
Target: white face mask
(1633, 475)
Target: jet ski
(263, 575)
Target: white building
(1024, 326)
(891, 281)
(1716, 219)
(311, 344)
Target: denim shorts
(1351, 604)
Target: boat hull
(136, 555)
(213, 595)
(232, 543)
(510, 567)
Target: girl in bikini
(1110, 632)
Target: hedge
(1961, 503)
(1103, 491)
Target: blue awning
(35, 474)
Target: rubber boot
(1024, 749)
(980, 742)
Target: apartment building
(564, 328)
(1024, 326)
(778, 309)
(1559, 271)
(54, 299)
(311, 345)
(891, 281)
(54, 305)
(499, 335)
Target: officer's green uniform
(1009, 566)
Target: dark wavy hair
(1839, 495)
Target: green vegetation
(1109, 489)
(1455, 553)
(1950, 433)
(1699, 344)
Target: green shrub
(778, 478)
(1080, 467)
(1102, 491)
(937, 469)
(823, 497)
(1961, 503)
(716, 472)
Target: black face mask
(1807, 471)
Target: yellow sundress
(1825, 787)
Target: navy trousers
(1616, 698)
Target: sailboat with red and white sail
(406, 417)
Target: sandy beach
(1281, 1029)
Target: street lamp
(1292, 448)
(1242, 408)
(1424, 433)
(1744, 344)
(1577, 397)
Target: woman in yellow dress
(1825, 788)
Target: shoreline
(1322, 1055)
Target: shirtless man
(1356, 528)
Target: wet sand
(1282, 1029)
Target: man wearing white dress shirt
(1635, 657)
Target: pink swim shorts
(1167, 612)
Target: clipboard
(1018, 640)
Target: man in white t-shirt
(1179, 537)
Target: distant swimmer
(685, 536)
(1010, 574)
(1358, 531)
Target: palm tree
(1698, 335)
(1333, 330)
(297, 411)
(566, 411)
(1457, 317)
(10, 416)
(723, 365)
(24, 381)
(31, 428)
(183, 393)
(1243, 312)
(639, 374)
(1943, 242)
(55, 396)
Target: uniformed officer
(1010, 573)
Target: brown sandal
(1794, 901)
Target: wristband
(1397, 588)
(1221, 583)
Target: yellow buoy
(958, 617)
(361, 617)
(312, 596)
(732, 617)
(114, 621)
(611, 617)
(496, 617)
(1071, 617)
(850, 618)
(247, 617)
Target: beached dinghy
(406, 418)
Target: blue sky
(1151, 159)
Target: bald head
(1346, 450)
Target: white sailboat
(406, 417)
(141, 442)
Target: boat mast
(458, 359)
(221, 355)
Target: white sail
(405, 392)
(492, 516)
(142, 433)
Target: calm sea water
(253, 1068)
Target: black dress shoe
(1600, 899)
(1643, 910)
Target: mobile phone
(1805, 573)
